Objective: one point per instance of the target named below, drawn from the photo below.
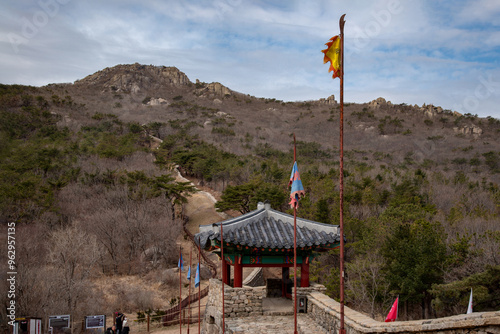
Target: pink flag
(393, 313)
(297, 190)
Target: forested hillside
(93, 197)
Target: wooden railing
(172, 314)
(205, 259)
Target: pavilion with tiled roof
(265, 238)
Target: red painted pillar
(304, 274)
(224, 271)
(238, 272)
(228, 278)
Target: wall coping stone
(365, 324)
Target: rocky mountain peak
(135, 77)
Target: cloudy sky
(444, 53)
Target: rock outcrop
(212, 90)
(430, 110)
(157, 102)
(218, 89)
(135, 78)
(469, 130)
(329, 100)
(377, 103)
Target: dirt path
(201, 211)
(200, 207)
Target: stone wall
(239, 302)
(314, 287)
(326, 312)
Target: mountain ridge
(378, 131)
(147, 93)
(135, 77)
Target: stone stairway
(273, 324)
(307, 325)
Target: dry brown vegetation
(105, 231)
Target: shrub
(135, 128)
(223, 131)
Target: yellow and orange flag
(332, 55)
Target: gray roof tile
(268, 228)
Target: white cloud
(480, 11)
(413, 52)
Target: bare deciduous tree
(72, 256)
(365, 283)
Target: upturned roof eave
(255, 215)
(246, 222)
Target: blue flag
(189, 273)
(181, 264)
(197, 276)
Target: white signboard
(95, 321)
(60, 324)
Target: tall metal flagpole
(222, 276)
(295, 249)
(222, 273)
(180, 292)
(189, 291)
(341, 172)
(199, 287)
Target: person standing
(125, 328)
(119, 322)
